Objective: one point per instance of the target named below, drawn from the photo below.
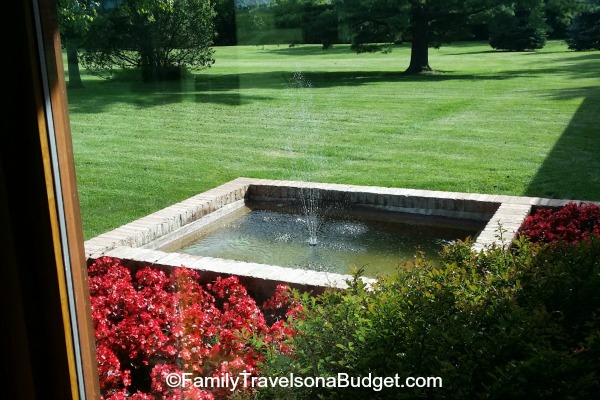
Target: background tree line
(162, 37)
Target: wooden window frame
(48, 337)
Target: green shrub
(519, 323)
(521, 38)
(584, 32)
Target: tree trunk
(419, 53)
(73, 66)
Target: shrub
(571, 224)
(157, 323)
(519, 38)
(584, 32)
(490, 324)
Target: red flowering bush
(572, 223)
(156, 323)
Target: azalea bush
(572, 223)
(155, 323)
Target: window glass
(358, 128)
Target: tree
(160, 37)
(225, 24)
(75, 18)
(525, 24)
(519, 27)
(559, 15)
(584, 32)
(426, 23)
(254, 23)
(317, 19)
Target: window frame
(49, 344)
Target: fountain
(310, 200)
(293, 233)
(300, 89)
(377, 227)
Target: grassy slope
(489, 122)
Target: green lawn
(487, 122)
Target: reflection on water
(280, 237)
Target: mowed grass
(485, 122)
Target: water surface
(279, 236)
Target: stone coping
(140, 239)
(259, 279)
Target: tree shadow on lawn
(589, 55)
(100, 95)
(490, 51)
(572, 168)
(329, 79)
(229, 89)
(312, 50)
(586, 67)
(343, 48)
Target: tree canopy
(519, 27)
(225, 23)
(317, 19)
(375, 25)
(76, 17)
(584, 32)
(425, 23)
(158, 36)
(162, 37)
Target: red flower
(569, 224)
(166, 323)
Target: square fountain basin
(346, 237)
(156, 238)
